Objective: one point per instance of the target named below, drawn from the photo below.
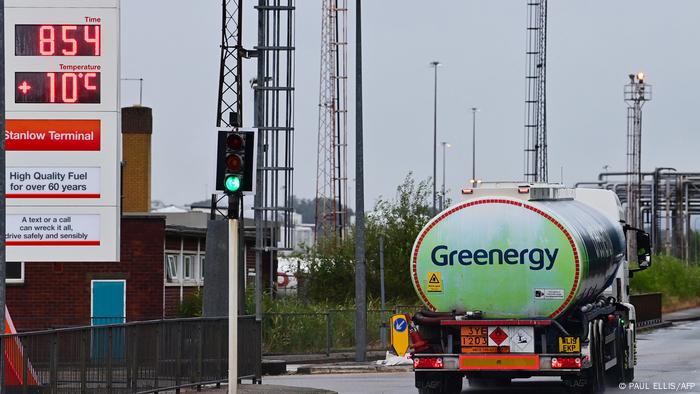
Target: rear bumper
(511, 364)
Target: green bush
(191, 305)
(678, 281)
(331, 276)
(292, 326)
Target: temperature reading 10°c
(57, 40)
(57, 87)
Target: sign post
(62, 132)
(232, 305)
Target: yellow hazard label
(434, 281)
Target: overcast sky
(592, 47)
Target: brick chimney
(137, 127)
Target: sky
(593, 46)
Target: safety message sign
(62, 130)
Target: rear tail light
(427, 363)
(566, 362)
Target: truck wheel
(601, 357)
(444, 383)
(486, 382)
(616, 375)
(629, 372)
(592, 382)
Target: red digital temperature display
(57, 87)
(57, 40)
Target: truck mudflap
(532, 364)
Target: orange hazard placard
(52, 135)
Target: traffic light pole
(233, 302)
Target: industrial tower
(331, 162)
(536, 87)
(274, 119)
(636, 94)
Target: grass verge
(679, 282)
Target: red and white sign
(52, 135)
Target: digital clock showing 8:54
(57, 40)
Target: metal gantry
(636, 94)
(230, 106)
(535, 151)
(331, 163)
(274, 119)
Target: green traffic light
(232, 183)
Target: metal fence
(647, 308)
(138, 357)
(324, 332)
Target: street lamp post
(442, 200)
(435, 65)
(474, 181)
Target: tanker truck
(523, 280)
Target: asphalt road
(668, 361)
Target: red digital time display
(57, 87)
(57, 40)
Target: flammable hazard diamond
(498, 335)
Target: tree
(332, 265)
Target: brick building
(162, 256)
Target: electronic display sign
(62, 130)
(57, 40)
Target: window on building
(14, 272)
(172, 267)
(201, 267)
(188, 267)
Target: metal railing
(323, 332)
(137, 357)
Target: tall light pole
(442, 200)
(435, 65)
(360, 264)
(474, 181)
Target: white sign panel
(53, 182)
(62, 130)
(53, 230)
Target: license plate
(569, 344)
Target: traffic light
(234, 170)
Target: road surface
(668, 361)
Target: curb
(339, 357)
(340, 369)
(663, 324)
(683, 319)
